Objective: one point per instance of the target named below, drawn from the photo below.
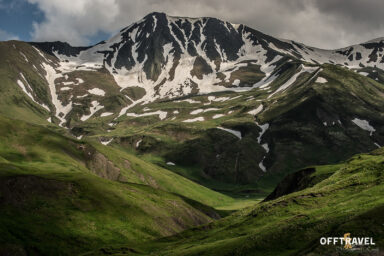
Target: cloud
(5, 36)
(321, 23)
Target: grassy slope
(14, 102)
(163, 178)
(50, 201)
(350, 200)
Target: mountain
(163, 86)
(167, 57)
(176, 122)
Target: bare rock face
(103, 167)
(291, 183)
(100, 165)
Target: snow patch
(257, 110)
(106, 142)
(50, 76)
(321, 80)
(363, 73)
(236, 97)
(236, 82)
(217, 116)
(264, 128)
(218, 99)
(198, 111)
(162, 114)
(261, 165)
(106, 114)
(197, 119)
(41, 54)
(364, 124)
(93, 109)
(234, 132)
(28, 92)
(25, 57)
(97, 91)
(189, 101)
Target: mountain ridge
(129, 55)
(195, 75)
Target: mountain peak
(151, 14)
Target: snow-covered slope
(172, 57)
(368, 54)
(168, 57)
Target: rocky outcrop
(101, 165)
(291, 183)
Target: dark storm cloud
(321, 23)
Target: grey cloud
(320, 23)
(5, 36)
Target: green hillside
(63, 196)
(14, 102)
(342, 198)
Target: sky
(327, 24)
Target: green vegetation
(348, 201)
(62, 195)
(14, 102)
